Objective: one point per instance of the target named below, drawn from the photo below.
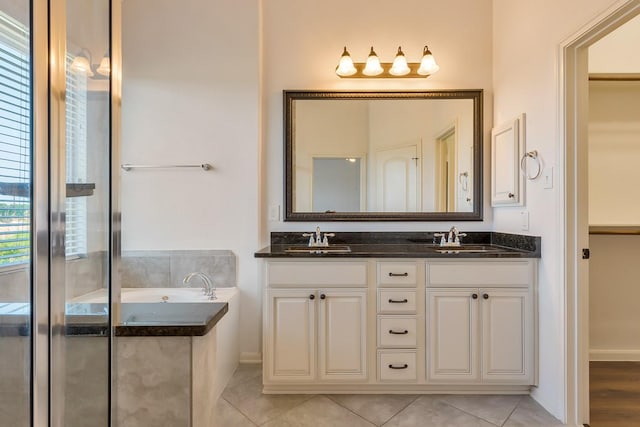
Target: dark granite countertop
(407, 245)
(169, 319)
(139, 319)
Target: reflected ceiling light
(82, 64)
(345, 67)
(428, 64)
(400, 66)
(105, 65)
(373, 68)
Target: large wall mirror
(383, 156)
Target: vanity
(394, 312)
(400, 315)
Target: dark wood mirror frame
(290, 96)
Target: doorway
(446, 170)
(574, 102)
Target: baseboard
(247, 357)
(599, 355)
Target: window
(15, 149)
(15, 142)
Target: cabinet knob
(474, 296)
(485, 296)
(312, 296)
(511, 195)
(322, 296)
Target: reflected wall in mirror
(383, 156)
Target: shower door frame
(48, 50)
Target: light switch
(524, 220)
(547, 177)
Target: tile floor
(242, 404)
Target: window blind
(15, 149)
(15, 143)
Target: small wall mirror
(383, 156)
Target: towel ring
(534, 155)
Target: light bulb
(428, 64)
(105, 66)
(81, 64)
(345, 67)
(399, 66)
(373, 67)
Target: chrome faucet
(450, 239)
(317, 239)
(209, 289)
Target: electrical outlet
(274, 213)
(524, 220)
(547, 177)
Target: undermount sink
(333, 249)
(466, 249)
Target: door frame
(573, 198)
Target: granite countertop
(139, 319)
(408, 245)
(169, 319)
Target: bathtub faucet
(209, 289)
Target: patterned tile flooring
(242, 404)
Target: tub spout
(209, 288)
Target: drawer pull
(405, 274)
(398, 301)
(392, 332)
(405, 366)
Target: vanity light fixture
(373, 68)
(83, 62)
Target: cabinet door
(291, 334)
(507, 336)
(453, 332)
(342, 317)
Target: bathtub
(227, 329)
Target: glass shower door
(15, 213)
(81, 343)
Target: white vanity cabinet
(481, 322)
(315, 322)
(358, 325)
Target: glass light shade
(345, 67)
(428, 64)
(81, 64)
(373, 67)
(105, 66)
(400, 66)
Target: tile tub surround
(176, 380)
(243, 405)
(157, 269)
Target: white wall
(191, 95)
(526, 39)
(303, 42)
(613, 298)
(614, 153)
(617, 52)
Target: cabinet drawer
(396, 301)
(397, 273)
(339, 274)
(467, 274)
(397, 366)
(397, 331)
